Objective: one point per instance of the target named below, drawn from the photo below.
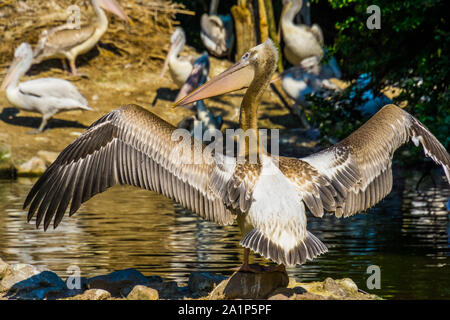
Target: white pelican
(269, 197)
(179, 67)
(68, 41)
(217, 31)
(47, 96)
(300, 41)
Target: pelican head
(255, 67)
(21, 63)
(114, 7)
(177, 42)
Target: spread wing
(356, 173)
(127, 146)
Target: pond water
(406, 235)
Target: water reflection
(406, 235)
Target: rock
(140, 292)
(168, 290)
(282, 294)
(33, 167)
(348, 285)
(333, 288)
(92, 294)
(48, 156)
(5, 269)
(248, 285)
(118, 283)
(28, 282)
(203, 282)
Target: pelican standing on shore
(217, 31)
(300, 41)
(268, 197)
(179, 67)
(47, 96)
(69, 41)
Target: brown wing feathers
(359, 167)
(127, 146)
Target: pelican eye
(246, 56)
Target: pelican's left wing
(356, 173)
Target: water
(406, 235)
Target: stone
(249, 285)
(203, 282)
(5, 269)
(140, 292)
(348, 285)
(32, 168)
(333, 288)
(168, 290)
(28, 282)
(282, 294)
(92, 294)
(118, 283)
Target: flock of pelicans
(269, 198)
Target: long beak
(237, 77)
(10, 74)
(114, 7)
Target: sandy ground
(107, 87)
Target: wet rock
(92, 294)
(27, 282)
(5, 269)
(248, 285)
(282, 294)
(169, 290)
(333, 288)
(32, 168)
(140, 292)
(118, 283)
(348, 285)
(203, 282)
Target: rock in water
(249, 285)
(201, 283)
(118, 281)
(5, 269)
(140, 292)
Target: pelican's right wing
(126, 146)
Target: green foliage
(409, 52)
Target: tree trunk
(244, 27)
(272, 28)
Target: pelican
(179, 67)
(47, 96)
(203, 117)
(268, 197)
(217, 31)
(68, 41)
(309, 78)
(301, 41)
